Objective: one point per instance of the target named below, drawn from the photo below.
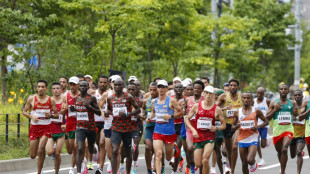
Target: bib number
(40, 113)
(217, 124)
(153, 120)
(230, 113)
(71, 114)
(284, 119)
(204, 124)
(82, 116)
(160, 118)
(58, 120)
(247, 124)
(299, 122)
(116, 111)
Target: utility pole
(297, 48)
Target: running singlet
(39, 111)
(283, 119)
(85, 118)
(307, 123)
(191, 102)
(98, 118)
(149, 111)
(228, 114)
(178, 120)
(162, 126)
(246, 135)
(135, 121)
(299, 127)
(204, 120)
(71, 116)
(57, 122)
(263, 106)
(121, 124)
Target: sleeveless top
(191, 102)
(283, 119)
(85, 118)
(121, 124)
(178, 120)
(299, 127)
(98, 118)
(39, 110)
(162, 126)
(246, 135)
(307, 123)
(263, 106)
(203, 122)
(57, 122)
(71, 116)
(228, 114)
(149, 111)
(135, 121)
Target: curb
(23, 164)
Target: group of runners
(194, 116)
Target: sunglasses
(161, 86)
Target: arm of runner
(235, 125)
(54, 108)
(260, 115)
(135, 105)
(143, 109)
(219, 115)
(303, 111)
(191, 113)
(273, 108)
(109, 108)
(178, 111)
(27, 107)
(181, 103)
(93, 106)
(64, 106)
(152, 113)
(295, 109)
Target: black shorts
(82, 134)
(298, 140)
(177, 128)
(118, 137)
(228, 133)
(100, 126)
(138, 133)
(107, 133)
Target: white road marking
(277, 165)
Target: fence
(18, 123)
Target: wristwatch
(172, 116)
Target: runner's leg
(158, 148)
(59, 144)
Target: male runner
(178, 95)
(89, 80)
(58, 128)
(261, 103)
(149, 128)
(120, 104)
(226, 87)
(189, 90)
(64, 84)
(281, 111)
(298, 142)
(205, 80)
(85, 106)
(40, 106)
(189, 103)
(139, 92)
(136, 125)
(81, 77)
(99, 119)
(67, 101)
(163, 109)
(204, 128)
(248, 116)
(231, 102)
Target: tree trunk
(175, 68)
(216, 71)
(113, 50)
(4, 83)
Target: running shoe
(227, 164)
(137, 163)
(133, 147)
(84, 169)
(261, 162)
(176, 151)
(193, 169)
(99, 171)
(171, 162)
(71, 171)
(253, 167)
(109, 168)
(90, 166)
(212, 170)
(133, 171)
(227, 170)
(121, 169)
(181, 168)
(163, 170)
(187, 170)
(153, 165)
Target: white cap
(177, 79)
(132, 78)
(185, 83)
(89, 76)
(209, 89)
(188, 80)
(114, 77)
(74, 80)
(162, 82)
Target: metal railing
(18, 123)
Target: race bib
(302, 122)
(133, 119)
(98, 118)
(230, 113)
(82, 116)
(284, 118)
(247, 124)
(40, 113)
(204, 124)
(217, 124)
(58, 120)
(160, 118)
(116, 111)
(70, 113)
(153, 119)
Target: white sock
(134, 165)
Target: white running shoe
(121, 169)
(261, 162)
(212, 170)
(227, 170)
(71, 171)
(253, 167)
(109, 168)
